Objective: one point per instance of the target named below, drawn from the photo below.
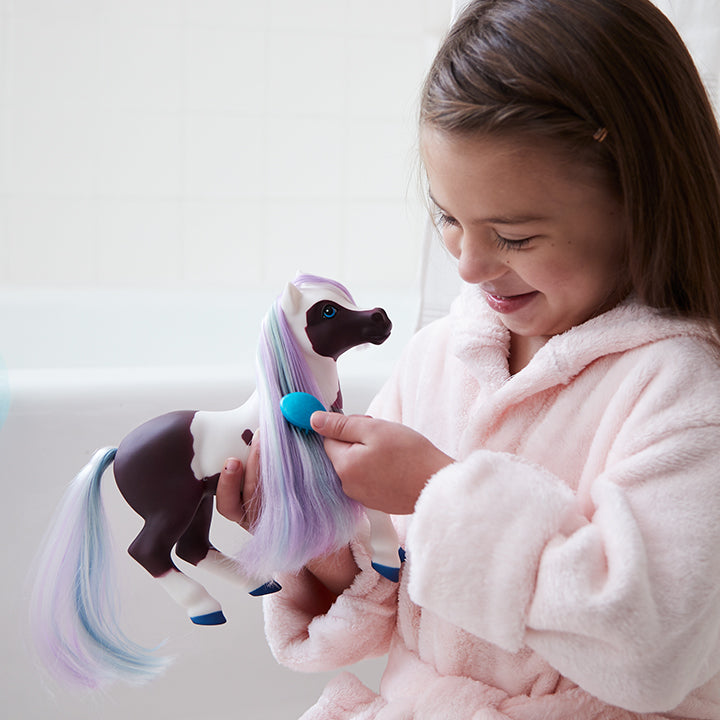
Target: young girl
(551, 449)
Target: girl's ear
(291, 300)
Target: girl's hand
(236, 488)
(383, 465)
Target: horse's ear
(291, 300)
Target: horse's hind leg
(195, 547)
(151, 548)
(194, 544)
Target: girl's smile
(508, 303)
(541, 236)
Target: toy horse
(167, 470)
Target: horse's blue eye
(329, 311)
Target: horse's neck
(324, 371)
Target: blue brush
(297, 407)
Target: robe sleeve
(358, 625)
(623, 598)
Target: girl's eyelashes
(507, 244)
(443, 219)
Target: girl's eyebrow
(499, 219)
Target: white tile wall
(149, 143)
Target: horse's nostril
(379, 316)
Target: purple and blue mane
(303, 511)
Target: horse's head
(326, 321)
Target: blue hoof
(401, 554)
(391, 573)
(213, 618)
(267, 589)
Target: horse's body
(167, 470)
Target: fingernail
(318, 419)
(232, 465)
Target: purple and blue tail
(73, 610)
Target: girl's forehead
(517, 162)
(507, 149)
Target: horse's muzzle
(378, 331)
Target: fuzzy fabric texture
(567, 565)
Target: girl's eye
(329, 311)
(507, 244)
(443, 220)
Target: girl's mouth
(509, 303)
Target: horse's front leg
(195, 547)
(384, 544)
(226, 567)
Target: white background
(210, 143)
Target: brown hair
(611, 82)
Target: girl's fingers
(250, 495)
(346, 428)
(229, 494)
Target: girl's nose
(478, 262)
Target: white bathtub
(86, 367)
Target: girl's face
(542, 238)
